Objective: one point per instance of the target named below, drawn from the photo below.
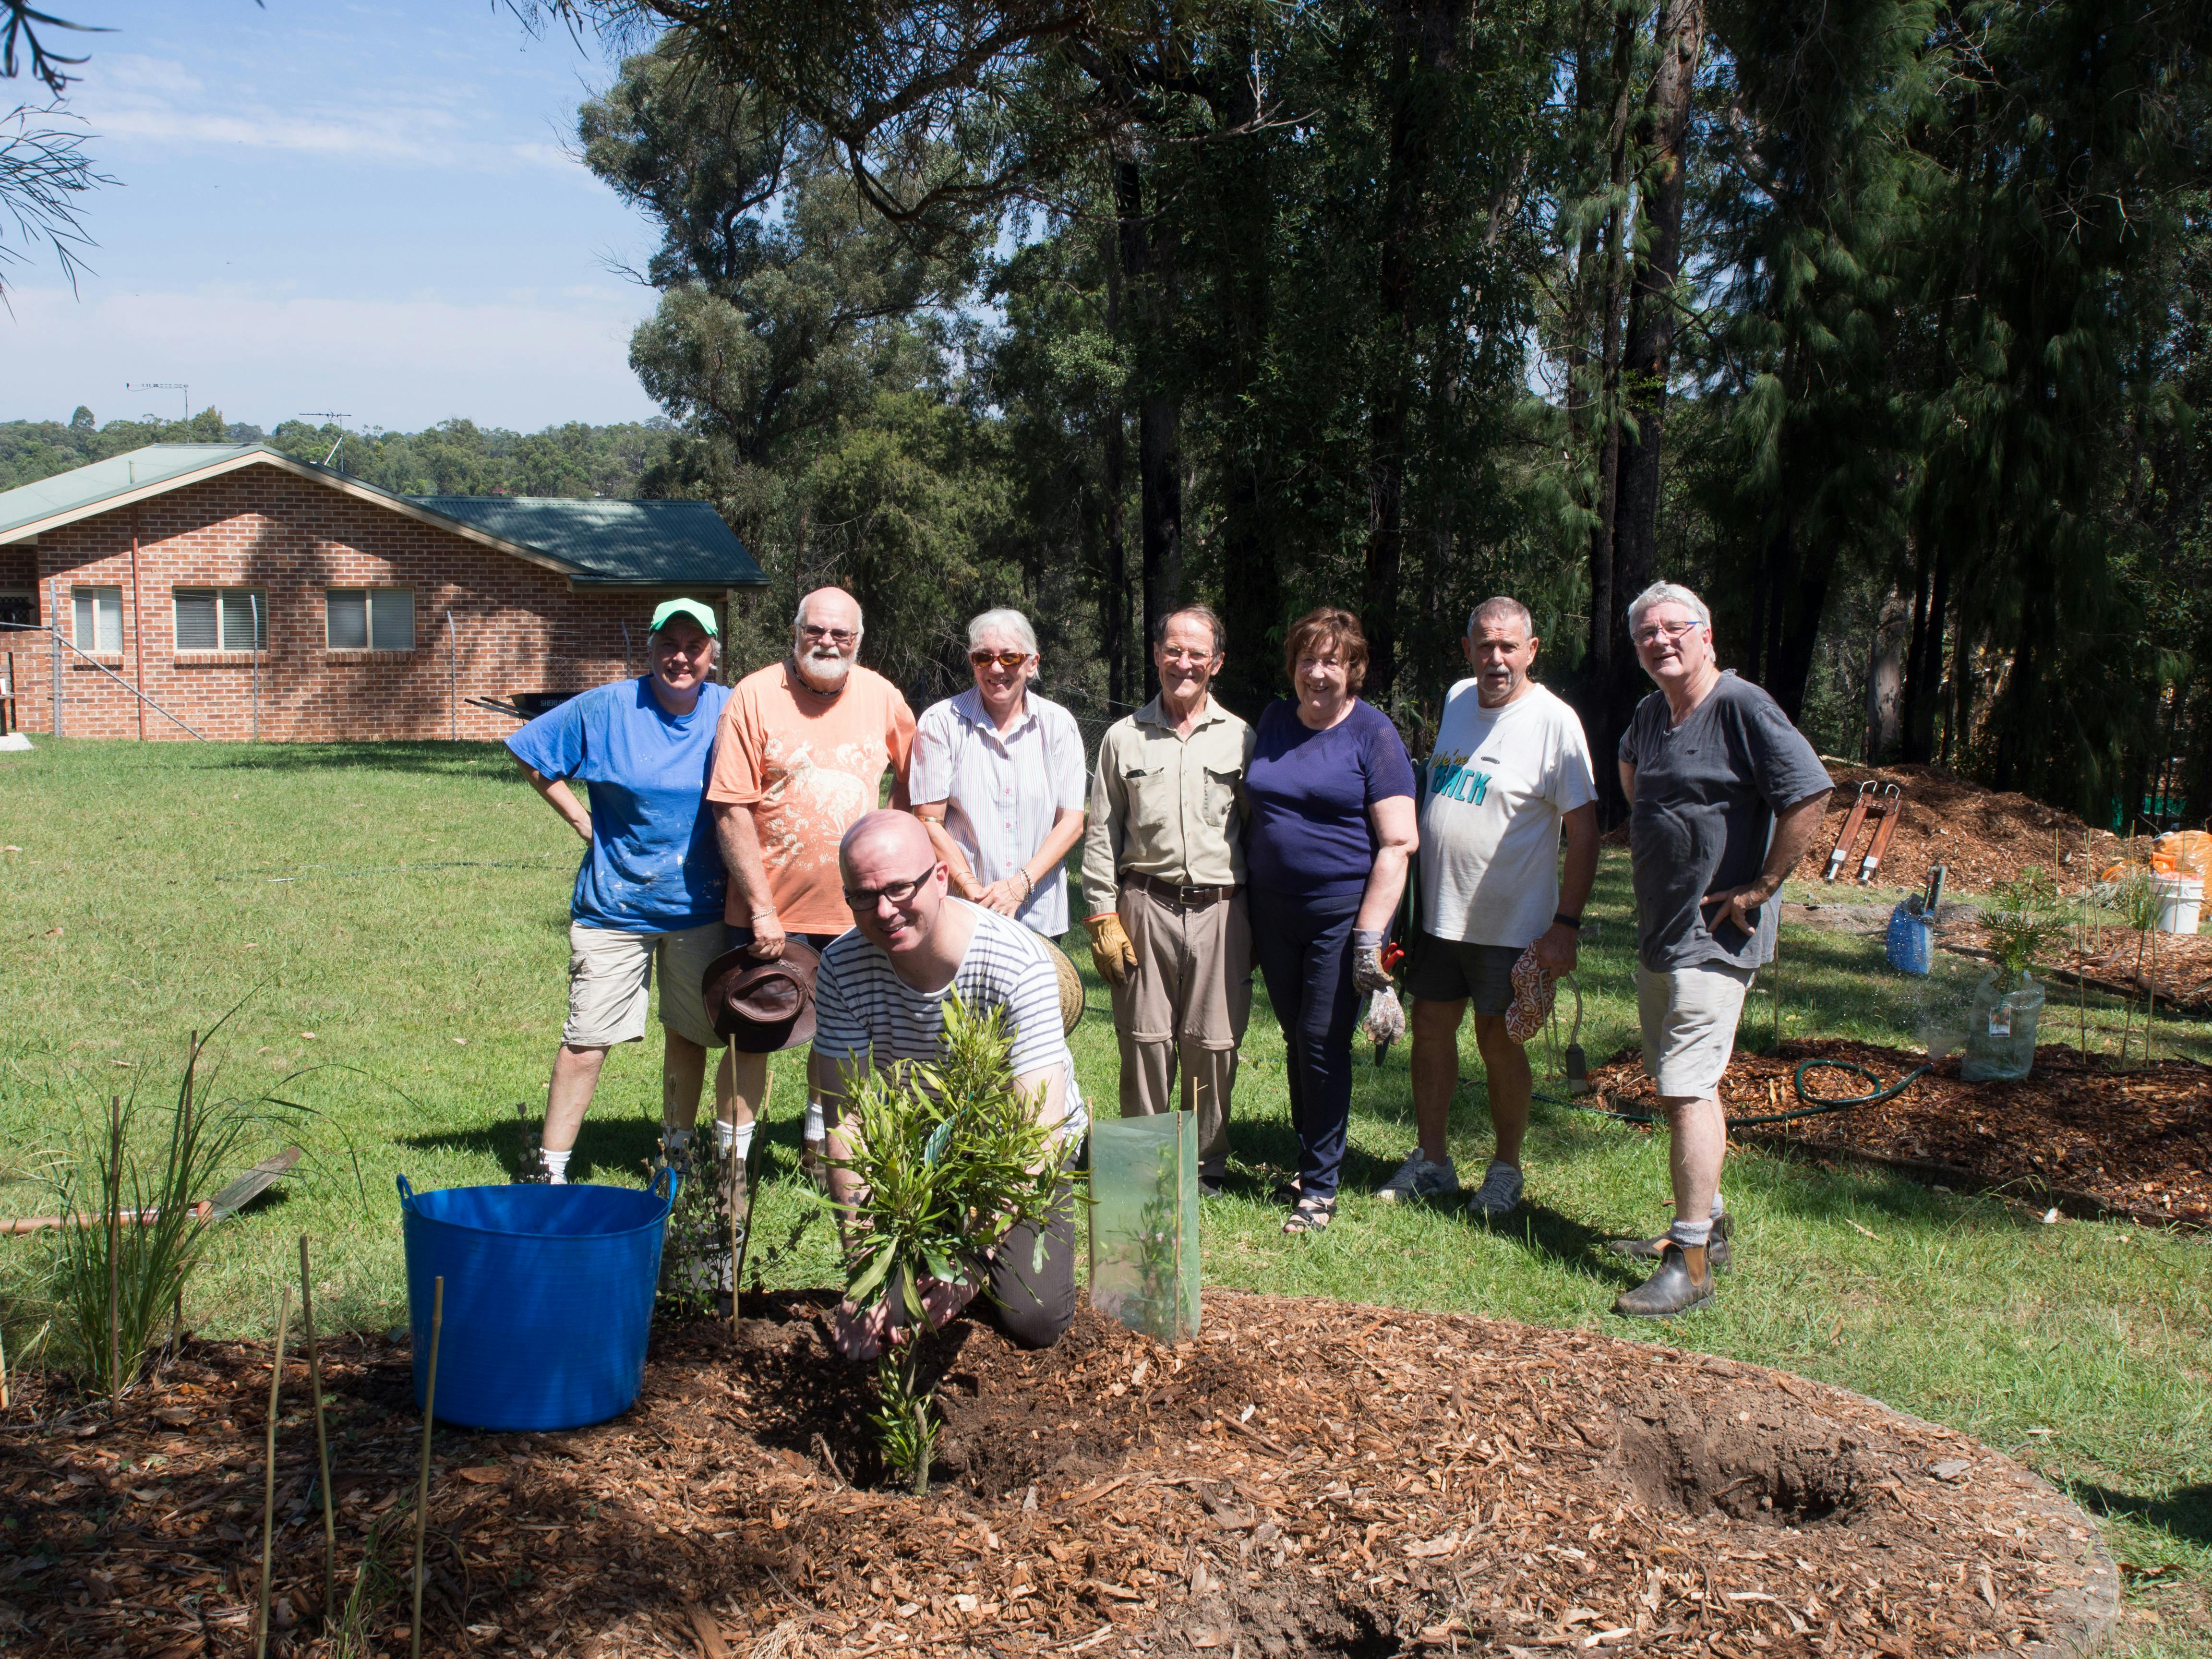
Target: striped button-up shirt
(1001, 790)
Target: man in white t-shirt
(1511, 769)
(880, 998)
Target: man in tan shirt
(1163, 880)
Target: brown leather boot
(1717, 1253)
(1683, 1283)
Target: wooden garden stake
(740, 1249)
(423, 1491)
(114, 1244)
(322, 1433)
(185, 1152)
(269, 1473)
(3, 1370)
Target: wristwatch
(1561, 920)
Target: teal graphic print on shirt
(1453, 779)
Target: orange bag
(2184, 852)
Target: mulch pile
(2075, 1131)
(2128, 963)
(1304, 1477)
(1980, 836)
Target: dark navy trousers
(1304, 948)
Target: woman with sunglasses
(999, 781)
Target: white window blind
(369, 618)
(98, 618)
(222, 619)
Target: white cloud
(157, 101)
(525, 360)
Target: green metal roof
(598, 543)
(613, 543)
(118, 475)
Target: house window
(98, 619)
(19, 606)
(222, 619)
(369, 618)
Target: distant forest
(453, 458)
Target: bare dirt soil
(2136, 1143)
(1306, 1477)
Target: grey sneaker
(1417, 1178)
(1499, 1196)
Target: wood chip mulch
(2136, 1143)
(1305, 1476)
(2127, 964)
(1980, 837)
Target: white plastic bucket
(2180, 898)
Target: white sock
(673, 1139)
(1691, 1235)
(1717, 1210)
(556, 1166)
(733, 1139)
(815, 1131)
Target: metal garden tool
(1888, 807)
(1848, 834)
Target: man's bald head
(881, 834)
(830, 607)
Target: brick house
(228, 590)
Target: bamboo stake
(422, 1491)
(743, 1248)
(268, 1472)
(322, 1433)
(3, 1370)
(185, 1152)
(114, 1260)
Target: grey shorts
(1452, 970)
(611, 982)
(1689, 1017)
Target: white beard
(825, 671)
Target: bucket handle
(406, 1192)
(667, 1195)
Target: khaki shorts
(610, 973)
(1689, 1017)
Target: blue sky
(364, 208)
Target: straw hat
(1071, 986)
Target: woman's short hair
(1667, 593)
(1318, 631)
(1014, 625)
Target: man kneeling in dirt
(881, 993)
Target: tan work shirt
(1165, 805)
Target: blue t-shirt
(1310, 792)
(654, 866)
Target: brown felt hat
(1071, 986)
(763, 1006)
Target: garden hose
(1816, 1105)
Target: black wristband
(1561, 920)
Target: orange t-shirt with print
(808, 766)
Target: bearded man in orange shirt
(799, 756)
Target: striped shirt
(861, 1005)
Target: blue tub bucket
(549, 1296)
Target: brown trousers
(1183, 1006)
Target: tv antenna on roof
(165, 385)
(340, 417)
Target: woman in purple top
(1331, 792)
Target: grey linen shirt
(1165, 805)
(1706, 794)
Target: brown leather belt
(1188, 898)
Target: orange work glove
(1110, 949)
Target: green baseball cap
(703, 615)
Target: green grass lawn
(388, 923)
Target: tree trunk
(1885, 679)
(1114, 596)
(1613, 676)
(1148, 267)
(1923, 652)
(1425, 52)
(1649, 354)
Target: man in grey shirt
(1725, 795)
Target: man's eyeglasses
(837, 637)
(1003, 659)
(1652, 632)
(899, 893)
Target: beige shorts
(611, 975)
(1689, 1017)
